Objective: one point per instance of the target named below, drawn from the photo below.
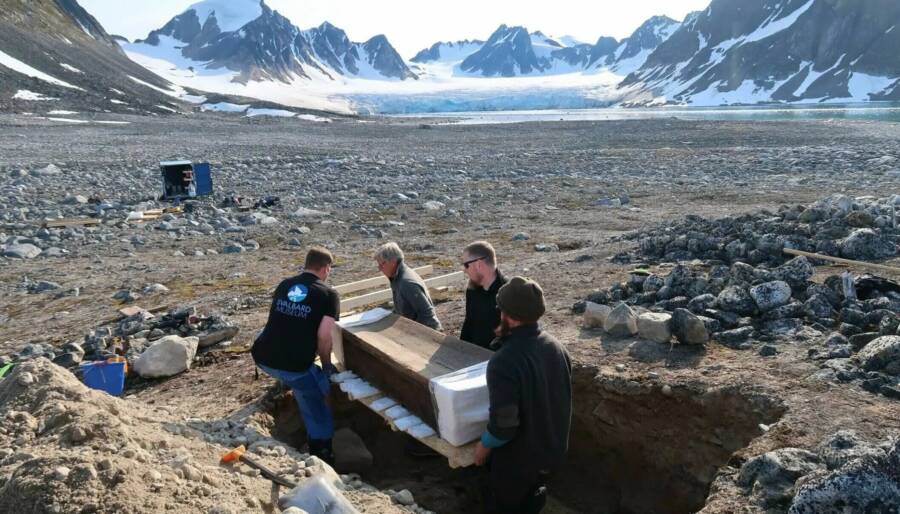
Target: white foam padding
(364, 318)
(462, 404)
(421, 431)
(358, 389)
(343, 377)
(405, 423)
(317, 496)
(383, 403)
(397, 411)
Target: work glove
(329, 370)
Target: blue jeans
(310, 388)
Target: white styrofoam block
(421, 431)
(407, 422)
(383, 403)
(364, 318)
(397, 411)
(343, 377)
(462, 403)
(358, 388)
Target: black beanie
(522, 299)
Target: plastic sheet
(364, 318)
(358, 389)
(317, 496)
(462, 404)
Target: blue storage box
(107, 376)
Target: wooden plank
(400, 357)
(385, 294)
(457, 457)
(880, 267)
(371, 283)
(71, 222)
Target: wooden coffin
(400, 357)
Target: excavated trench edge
(634, 448)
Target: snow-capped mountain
(776, 50)
(54, 56)
(513, 51)
(259, 44)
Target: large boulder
(688, 328)
(168, 356)
(655, 326)
(882, 353)
(796, 272)
(866, 244)
(595, 314)
(771, 295)
(771, 476)
(621, 321)
(22, 251)
(867, 484)
(736, 299)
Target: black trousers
(514, 491)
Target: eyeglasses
(467, 263)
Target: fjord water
(873, 111)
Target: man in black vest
(303, 313)
(479, 261)
(530, 387)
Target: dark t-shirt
(290, 339)
(482, 316)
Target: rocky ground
(718, 425)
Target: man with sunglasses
(479, 262)
(410, 294)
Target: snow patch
(62, 113)
(19, 66)
(223, 107)
(313, 117)
(117, 102)
(278, 113)
(24, 94)
(773, 27)
(862, 86)
(71, 68)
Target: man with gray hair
(411, 298)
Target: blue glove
(329, 370)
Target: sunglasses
(467, 263)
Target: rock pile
(154, 346)
(843, 474)
(741, 305)
(865, 228)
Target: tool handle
(268, 473)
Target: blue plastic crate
(105, 376)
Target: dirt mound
(67, 449)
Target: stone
(68, 360)
(860, 219)
(771, 295)
(866, 244)
(351, 454)
(233, 248)
(521, 236)
(734, 338)
(858, 341)
(768, 350)
(867, 484)
(75, 200)
(404, 498)
(771, 476)
(546, 247)
(701, 303)
(167, 357)
(736, 299)
(688, 328)
(796, 272)
(294, 510)
(595, 314)
(217, 335)
(656, 327)
(621, 321)
(817, 307)
(845, 446)
(25, 379)
(882, 353)
(21, 251)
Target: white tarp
(462, 404)
(317, 496)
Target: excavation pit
(634, 447)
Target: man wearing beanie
(530, 387)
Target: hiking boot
(322, 449)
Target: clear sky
(412, 25)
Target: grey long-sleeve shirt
(411, 298)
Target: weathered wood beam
(859, 264)
(371, 283)
(384, 295)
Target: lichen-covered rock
(882, 353)
(796, 272)
(866, 244)
(868, 484)
(595, 314)
(771, 295)
(736, 299)
(771, 476)
(845, 446)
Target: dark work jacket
(530, 386)
(411, 298)
(482, 316)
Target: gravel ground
(569, 187)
